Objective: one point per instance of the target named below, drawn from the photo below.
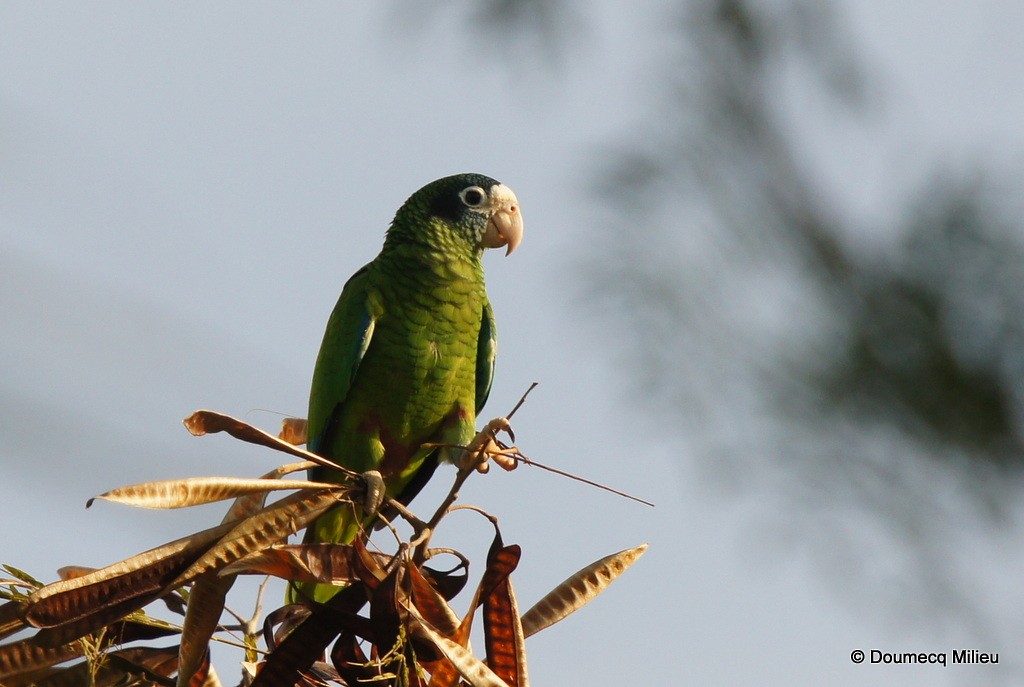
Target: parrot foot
(485, 446)
(375, 491)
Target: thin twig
(406, 514)
(518, 456)
(522, 400)
(528, 461)
(475, 509)
(422, 540)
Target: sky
(184, 189)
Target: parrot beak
(505, 226)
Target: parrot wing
(348, 335)
(486, 350)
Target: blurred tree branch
(782, 345)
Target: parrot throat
(436, 240)
(434, 267)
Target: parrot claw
(485, 446)
(491, 429)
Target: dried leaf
(206, 676)
(352, 664)
(81, 673)
(293, 431)
(138, 667)
(90, 623)
(503, 635)
(309, 563)
(444, 673)
(11, 617)
(306, 642)
(208, 422)
(245, 506)
(153, 665)
(272, 524)
(141, 577)
(366, 566)
(107, 618)
(288, 469)
(288, 617)
(159, 660)
(70, 572)
(24, 656)
(431, 604)
(140, 628)
(205, 606)
(578, 590)
(28, 656)
(384, 609)
(448, 583)
(195, 491)
(472, 669)
(501, 561)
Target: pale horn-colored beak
(505, 227)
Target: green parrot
(408, 355)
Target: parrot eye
(473, 196)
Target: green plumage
(408, 355)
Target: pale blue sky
(185, 188)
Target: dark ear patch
(445, 202)
(447, 205)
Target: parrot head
(465, 211)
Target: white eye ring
(473, 196)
